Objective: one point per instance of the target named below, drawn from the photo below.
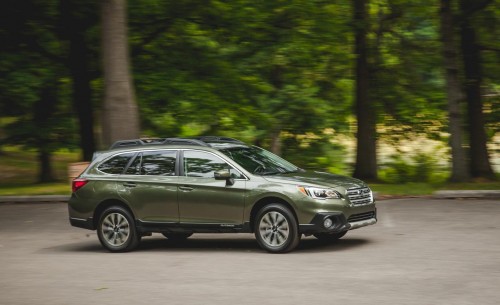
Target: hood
(317, 178)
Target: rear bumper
(82, 223)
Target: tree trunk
(74, 26)
(459, 170)
(120, 113)
(276, 142)
(366, 155)
(479, 160)
(82, 94)
(44, 109)
(45, 174)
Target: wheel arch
(106, 204)
(265, 201)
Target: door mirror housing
(224, 175)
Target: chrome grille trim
(360, 196)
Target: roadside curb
(480, 194)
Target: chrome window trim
(133, 152)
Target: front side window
(204, 165)
(115, 165)
(259, 161)
(160, 163)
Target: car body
(178, 187)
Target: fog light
(328, 222)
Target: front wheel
(116, 230)
(276, 229)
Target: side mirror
(224, 175)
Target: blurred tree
(366, 155)
(44, 110)
(479, 160)
(33, 81)
(120, 113)
(44, 127)
(77, 17)
(276, 73)
(459, 169)
(250, 70)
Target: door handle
(186, 188)
(129, 184)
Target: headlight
(319, 193)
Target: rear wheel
(116, 230)
(330, 236)
(177, 236)
(276, 229)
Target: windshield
(259, 161)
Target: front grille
(361, 216)
(360, 196)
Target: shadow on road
(214, 245)
(315, 245)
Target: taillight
(78, 183)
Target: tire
(276, 229)
(177, 236)
(116, 230)
(330, 236)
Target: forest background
(385, 90)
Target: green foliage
(419, 167)
(251, 70)
(260, 67)
(316, 152)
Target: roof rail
(184, 141)
(134, 142)
(216, 139)
(157, 141)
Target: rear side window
(115, 165)
(135, 167)
(160, 163)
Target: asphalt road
(422, 251)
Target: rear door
(149, 185)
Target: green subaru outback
(179, 186)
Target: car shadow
(315, 245)
(214, 244)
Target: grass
(19, 172)
(18, 176)
(56, 188)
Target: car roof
(199, 141)
(206, 142)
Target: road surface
(422, 251)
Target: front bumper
(340, 222)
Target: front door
(204, 200)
